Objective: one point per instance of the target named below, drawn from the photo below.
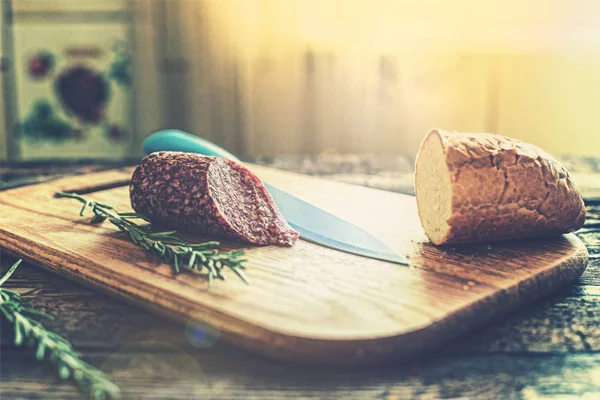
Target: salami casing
(209, 195)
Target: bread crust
(504, 188)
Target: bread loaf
(483, 187)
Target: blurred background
(92, 78)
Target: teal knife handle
(176, 140)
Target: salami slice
(211, 195)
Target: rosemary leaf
(97, 219)
(18, 334)
(180, 255)
(133, 215)
(83, 208)
(239, 273)
(211, 270)
(160, 247)
(207, 245)
(163, 235)
(104, 205)
(176, 264)
(40, 352)
(192, 260)
(8, 275)
(48, 345)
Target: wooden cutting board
(306, 303)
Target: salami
(211, 195)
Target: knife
(314, 224)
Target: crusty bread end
(473, 187)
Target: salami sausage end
(208, 195)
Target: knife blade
(313, 223)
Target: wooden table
(549, 350)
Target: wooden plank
(176, 374)
(307, 303)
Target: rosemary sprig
(181, 256)
(49, 345)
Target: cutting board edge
(284, 346)
(571, 268)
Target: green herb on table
(49, 345)
(181, 256)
